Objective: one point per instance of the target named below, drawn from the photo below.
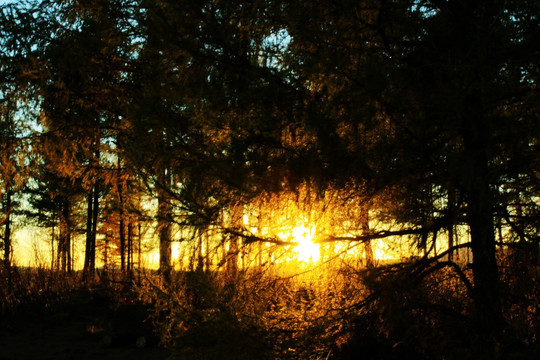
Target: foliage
(520, 283)
(425, 311)
(406, 310)
(212, 316)
(29, 292)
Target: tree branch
(376, 235)
(251, 238)
(456, 268)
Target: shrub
(206, 315)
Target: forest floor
(82, 328)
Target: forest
(278, 179)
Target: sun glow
(307, 250)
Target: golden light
(307, 250)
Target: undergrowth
(208, 315)
(398, 311)
(28, 292)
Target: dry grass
(337, 312)
(27, 292)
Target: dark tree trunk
(69, 258)
(452, 222)
(95, 212)
(164, 231)
(7, 228)
(207, 251)
(485, 270)
(91, 230)
(106, 256)
(129, 246)
(232, 257)
(64, 247)
(7, 237)
(122, 239)
(368, 250)
(89, 212)
(234, 241)
(480, 216)
(139, 246)
(120, 188)
(53, 235)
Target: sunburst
(307, 249)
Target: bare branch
(443, 264)
(251, 238)
(376, 235)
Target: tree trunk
(200, 252)
(452, 222)
(122, 239)
(106, 256)
(480, 216)
(232, 254)
(89, 212)
(120, 188)
(368, 249)
(64, 239)
(164, 231)
(95, 212)
(7, 228)
(52, 247)
(69, 258)
(7, 237)
(485, 271)
(207, 251)
(91, 230)
(129, 246)
(139, 246)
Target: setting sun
(307, 250)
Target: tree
(16, 159)
(440, 103)
(16, 116)
(53, 200)
(78, 89)
(9, 171)
(372, 93)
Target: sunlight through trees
(393, 142)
